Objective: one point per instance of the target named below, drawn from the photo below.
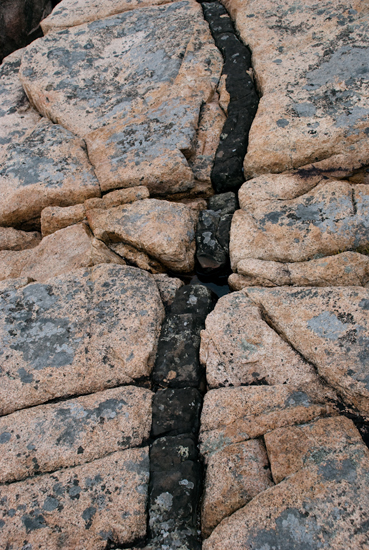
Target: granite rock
(55, 436)
(329, 327)
(168, 287)
(310, 63)
(81, 507)
(135, 257)
(294, 447)
(234, 476)
(233, 415)
(82, 332)
(164, 230)
(238, 347)
(48, 168)
(133, 85)
(54, 218)
(118, 197)
(328, 219)
(65, 250)
(12, 239)
(322, 505)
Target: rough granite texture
(50, 437)
(12, 239)
(329, 327)
(310, 61)
(79, 508)
(83, 332)
(133, 85)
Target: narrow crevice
(227, 173)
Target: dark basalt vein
(227, 173)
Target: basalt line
(227, 173)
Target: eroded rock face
(11, 239)
(137, 81)
(329, 327)
(79, 507)
(164, 230)
(234, 476)
(298, 513)
(238, 347)
(49, 167)
(63, 251)
(50, 437)
(232, 415)
(82, 332)
(70, 13)
(54, 218)
(313, 80)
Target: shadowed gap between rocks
(350, 412)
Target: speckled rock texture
(234, 476)
(310, 61)
(70, 13)
(233, 415)
(329, 327)
(50, 437)
(54, 218)
(328, 219)
(164, 230)
(85, 331)
(48, 168)
(168, 287)
(12, 239)
(79, 508)
(133, 85)
(238, 347)
(323, 504)
(63, 251)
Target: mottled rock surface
(12, 239)
(168, 287)
(54, 218)
(82, 332)
(48, 168)
(238, 347)
(81, 507)
(234, 476)
(329, 327)
(50, 437)
(70, 13)
(137, 81)
(164, 230)
(311, 65)
(63, 251)
(324, 504)
(232, 415)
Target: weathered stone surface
(19, 23)
(323, 505)
(232, 415)
(50, 437)
(63, 251)
(48, 168)
(11, 239)
(82, 332)
(234, 476)
(137, 80)
(70, 13)
(136, 257)
(54, 218)
(329, 327)
(117, 197)
(292, 448)
(81, 507)
(238, 347)
(196, 299)
(168, 287)
(176, 411)
(162, 229)
(17, 117)
(167, 452)
(311, 67)
(331, 218)
(212, 234)
(346, 269)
